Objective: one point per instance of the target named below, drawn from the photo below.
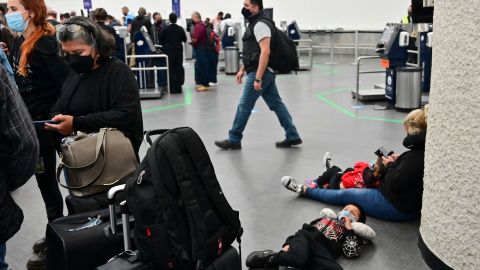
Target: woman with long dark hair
(39, 74)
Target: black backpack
(182, 218)
(283, 51)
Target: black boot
(260, 259)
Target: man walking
(260, 80)
(171, 39)
(19, 151)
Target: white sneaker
(213, 84)
(327, 161)
(293, 185)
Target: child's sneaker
(327, 161)
(292, 184)
(311, 183)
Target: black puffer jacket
(402, 185)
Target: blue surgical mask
(16, 22)
(345, 213)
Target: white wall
(310, 14)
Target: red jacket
(199, 34)
(354, 179)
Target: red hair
(43, 28)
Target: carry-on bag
(129, 260)
(96, 162)
(182, 218)
(85, 241)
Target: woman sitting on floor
(399, 195)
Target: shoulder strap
(169, 221)
(204, 167)
(198, 232)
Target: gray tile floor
(323, 112)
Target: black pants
(212, 57)
(332, 176)
(306, 251)
(45, 174)
(176, 70)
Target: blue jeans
(371, 200)
(201, 66)
(3, 251)
(249, 97)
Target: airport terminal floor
(327, 119)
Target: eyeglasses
(71, 27)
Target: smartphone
(41, 124)
(381, 152)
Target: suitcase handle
(112, 193)
(126, 226)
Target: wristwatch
(257, 80)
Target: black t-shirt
(46, 74)
(172, 38)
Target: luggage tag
(93, 222)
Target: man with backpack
(257, 59)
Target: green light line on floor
(322, 97)
(187, 101)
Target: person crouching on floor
(317, 245)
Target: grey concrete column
(450, 229)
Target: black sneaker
(293, 185)
(288, 143)
(259, 259)
(327, 161)
(39, 246)
(226, 144)
(38, 261)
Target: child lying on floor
(318, 244)
(362, 175)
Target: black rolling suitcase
(129, 260)
(84, 241)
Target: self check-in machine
(392, 49)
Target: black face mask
(79, 63)
(246, 13)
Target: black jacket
(172, 38)
(46, 74)
(18, 154)
(402, 185)
(137, 24)
(116, 103)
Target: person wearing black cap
(318, 244)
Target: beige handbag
(96, 162)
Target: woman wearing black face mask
(101, 91)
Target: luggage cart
(143, 78)
(305, 45)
